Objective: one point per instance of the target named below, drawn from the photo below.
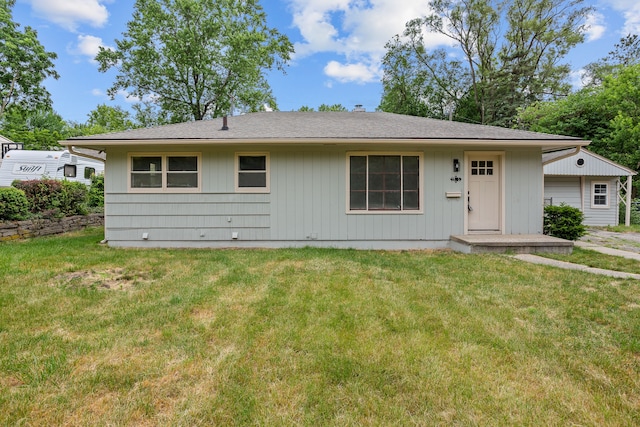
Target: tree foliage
(624, 53)
(324, 107)
(499, 70)
(37, 129)
(607, 114)
(197, 58)
(24, 64)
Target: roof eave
(544, 144)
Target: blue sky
(339, 44)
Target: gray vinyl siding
(307, 202)
(563, 189)
(523, 192)
(566, 189)
(600, 216)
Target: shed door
(484, 193)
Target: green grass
(92, 335)
(633, 228)
(598, 260)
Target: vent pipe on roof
(224, 123)
(359, 108)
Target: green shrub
(52, 198)
(564, 221)
(13, 204)
(43, 194)
(73, 199)
(96, 192)
(635, 212)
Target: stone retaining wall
(12, 230)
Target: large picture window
(179, 172)
(252, 172)
(384, 182)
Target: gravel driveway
(624, 241)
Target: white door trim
(501, 155)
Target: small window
(384, 182)
(252, 172)
(164, 172)
(89, 173)
(69, 171)
(600, 196)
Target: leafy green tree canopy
(511, 57)
(197, 58)
(112, 119)
(37, 129)
(24, 64)
(625, 53)
(607, 114)
(324, 107)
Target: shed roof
(324, 127)
(565, 163)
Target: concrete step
(510, 243)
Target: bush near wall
(52, 198)
(564, 221)
(44, 207)
(96, 192)
(13, 204)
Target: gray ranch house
(334, 179)
(592, 183)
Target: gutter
(577, 150)
(89, 156)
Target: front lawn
(92, 335)
(597, 260)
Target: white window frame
(593, 194)
(420, 209)
(164, 188)
(236, 172)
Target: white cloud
(595, 27)
(89, 46)
(352, 26)
(577, 78)
(70, 13)
(630, 10)
(355, 29)
(349, 73)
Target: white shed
(592, 183)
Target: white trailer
(26, 165)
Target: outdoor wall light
(456, 165)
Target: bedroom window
(179, 172)
(252, 173)
(600, 195)
(384, 182)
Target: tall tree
(37, 129)
(112, 119)
(501, 70)
(607, 114)
(419, 83)
(24, 64)
(197, 58)
(625, 53)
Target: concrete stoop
(510, 243)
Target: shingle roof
(271, 126)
